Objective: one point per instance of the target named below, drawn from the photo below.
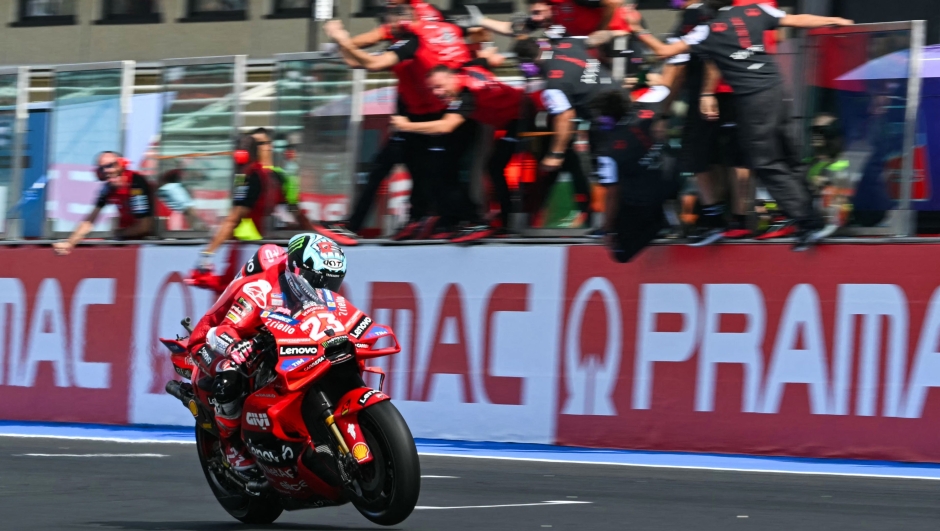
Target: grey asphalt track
(169, 493)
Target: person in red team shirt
(126, 189)
(422, 46)
(255, 196)
(312, 268)
(473, 93)
(580, 18)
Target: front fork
(350, 458)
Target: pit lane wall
(739, 349)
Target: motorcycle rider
(221, 341)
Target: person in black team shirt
(710, 144)
(126, 189)
(631, 144)
(734, 40)
(572, 78)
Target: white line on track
(440, 477)
(553, 502)
(97, 439)
(90, 455)
(685, 467)
(526, 459)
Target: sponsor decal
(341, 305)
(139, 204)
(271, 255)
(259, 420)
(252, 266)
(320, 360)
(291, 364)
(265, 395)
(245, 304)
(262, 453)
(363, 346)
(185, 373)
(285, 473)
(369, 394)
(351, 430)
(333, 263)
(226, 339)
(338, 340)
(361, 327)
(205, 354)
(279, 317)
(277, 300)
(281, 327)
(328, 298)
(234, 316)
(258, 291)
(376, 332)
(293, 487)
(293, 340)
(299, 351)
(360, 451)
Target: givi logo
(66, 334)
(719, 352)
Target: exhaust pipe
(180, 390)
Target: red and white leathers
(236, 316)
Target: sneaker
(738, 233)
(428, 228)
(442, 233)
(780, 229)
(338, 233)
(472, 233)
(808, 239)
(237, 456)
(408, 231)
(706, 238)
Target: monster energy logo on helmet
(297, 242)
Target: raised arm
(813, 21)
(86, 226)
(374, 63)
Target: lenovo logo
(298, 351)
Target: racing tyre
(390, 482)
(248, 509)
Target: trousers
(768, 135)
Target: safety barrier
(183, 114)
(738, 349)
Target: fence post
(906, 220)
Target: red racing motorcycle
(320, 436)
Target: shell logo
(360, 451)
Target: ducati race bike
(320, 436)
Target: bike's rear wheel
(390, 482)
(248, 509)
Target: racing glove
(240, 351)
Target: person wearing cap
(129, 191)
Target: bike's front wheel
(390, 482)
